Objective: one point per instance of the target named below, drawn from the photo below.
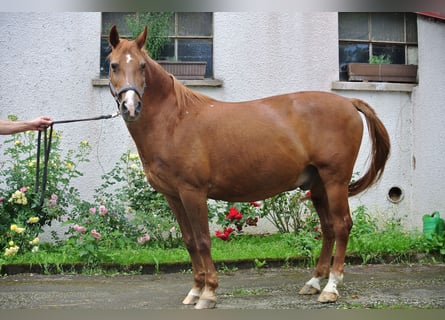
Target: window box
(382, 72)
(185, 70)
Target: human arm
(10, 127)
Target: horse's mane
(186, 96)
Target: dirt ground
(370, 286)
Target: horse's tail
(380, 148)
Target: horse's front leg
(192, 215)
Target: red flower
(234, 214)
(308, 194)
(252, 221)
(256, 204)
(224, 235)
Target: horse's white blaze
(129, 57)
(334, 281)
(314, 283)
(130, 102)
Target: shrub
(21, 216)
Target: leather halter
(117, 93)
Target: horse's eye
(114, 67)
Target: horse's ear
(140, 40)
(114, 36)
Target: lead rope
(47, 149)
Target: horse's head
(127, 73)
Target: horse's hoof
(190, 299)
(205, 304)
(308, 290)
(327, 297)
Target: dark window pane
(352, 52)
(105, 50)
(396, 53)
(411, 27)
(197, 50)
(117, 18)
(168, 51)
(353, 26)
(387, 27)
(195, 24)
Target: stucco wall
(49, 60)
(428, 168)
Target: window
(190, 38)
(365, 35)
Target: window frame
(372, 43)
(176, 37)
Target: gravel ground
(370, 286)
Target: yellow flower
(84, 143)
(32, 163)
(34, 242)
(13, 227)
(20, 230)
(69, 165)
(17, 142)
(33, 220)
(11, 251)
(133, 156)
(11, 243)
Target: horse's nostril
(124, 108)
(138, 107)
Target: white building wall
(428, 169)
(49, 60)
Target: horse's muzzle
(130, 109)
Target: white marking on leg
(129, 58)
(314, 283)
(194, 292)
(334, 281)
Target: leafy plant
(291, 212)
(381, 59)
(158, 24)
(237, 215)
(21, 216)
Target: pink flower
(92, 210)
(23, 189)
(102, 210)
(172, 229)
(96, 235)
(144, 239)
(53, 199)
(79, 229)
(256, 204)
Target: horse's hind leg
(331, 202)
(339, 220)
(320, 201)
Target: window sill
(373, 86)
(100, 82)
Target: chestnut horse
(193, 147)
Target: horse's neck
(159, 110)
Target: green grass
(256, 248)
